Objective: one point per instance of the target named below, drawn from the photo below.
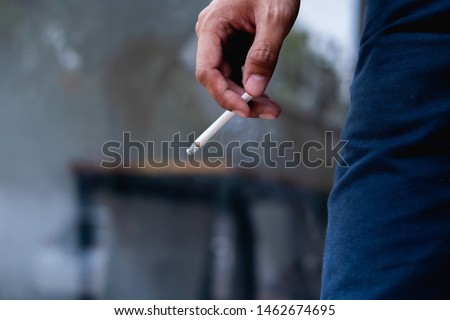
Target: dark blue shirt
(389, 212)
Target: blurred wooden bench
(232, 189)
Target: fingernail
(267, 116)
(256, 84)
(240, 113)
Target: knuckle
(201, 75)
(200, 20)
(202, 14)
(280, 14)
(263, 56)
(222, 101)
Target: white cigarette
(212, 130)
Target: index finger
(208, 66)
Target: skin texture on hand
(238, 46)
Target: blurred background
(76, 74)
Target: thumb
(261, 60)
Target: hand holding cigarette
(236, 33)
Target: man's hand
(242, 33)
